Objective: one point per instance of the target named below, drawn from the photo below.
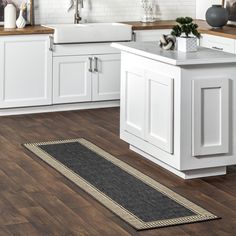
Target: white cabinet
(218, 43)
(38, 76)
(86, 78)
(106, 77)
(180, 117)
(25, 71)
(147, 106)
(71, 79)
(149, 35)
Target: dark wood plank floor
(36, 200)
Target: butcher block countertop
(38, 29)
(228, 31)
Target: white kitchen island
(179, 109)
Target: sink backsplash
(55, 11)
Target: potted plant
(187, 34)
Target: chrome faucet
(77, 17)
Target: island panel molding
(134, 105)
(210, 116)
(159, 110)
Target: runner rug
(133, 196)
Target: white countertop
(153, 51)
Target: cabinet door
(106, 77)
(25, 71)
(133, 101)
(71, 79)
(159, 111)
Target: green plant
(185, 26)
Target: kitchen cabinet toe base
(189, 174)
(59, 108)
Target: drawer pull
(220, 49)
(134, 37)
(51, 43)
(90, 64)
(96, 64)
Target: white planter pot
(187, 44)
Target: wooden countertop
(137, 25)
(228, 31)
(38, 29)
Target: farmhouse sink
(91, 33)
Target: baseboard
(57, 108)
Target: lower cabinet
(33, 72)
(147, 98)
(86, 78)
(25, 71)
(106, 77)
(71, 79)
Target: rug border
(134, 221)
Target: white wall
(55, 11)
(203, 5)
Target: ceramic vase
(217, 16)
(187, 44)
(21, 22)
(10, 16)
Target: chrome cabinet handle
(134, 37)
(90, 64)
(220, 49)
(95, 64)
(51, 43)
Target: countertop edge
(170, 61)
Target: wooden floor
(36, 200)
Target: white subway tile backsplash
(55, 11)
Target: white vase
(187, 44)
(21, 22)
(10, 16)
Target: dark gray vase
(217, 16)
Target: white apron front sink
(91, 33)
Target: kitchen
(60, 99)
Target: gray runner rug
(136, 198)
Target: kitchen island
(179, 109)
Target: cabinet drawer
(218, 43)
